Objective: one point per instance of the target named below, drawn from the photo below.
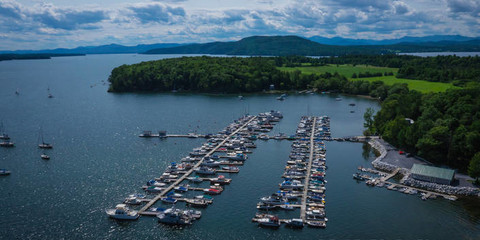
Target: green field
(349, 70)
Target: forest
(445, 127)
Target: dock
(303, 207)
(188, 173)
(304, 176)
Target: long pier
(182, 178)
(303, 207)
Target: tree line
(441, 127)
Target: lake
(98, 159)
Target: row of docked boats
(303, 179)
(204, 164)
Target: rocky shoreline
(408, 180)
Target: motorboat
(132, 200)
(272, 222)
(174, 216)
(4, 172)
(195, 179)
(45, 156)
(211, 163)
(122, 212)
(291, 184)
(193, 214)
(220, 180)
(197, 202)
(181, 188)
(231, 169)
(317, 224)
(7, 143)
(205, 170)
(294, 223)
(169, 200)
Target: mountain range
(284, 45)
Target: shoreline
(384, 163)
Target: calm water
(98, 160)
(434, 54)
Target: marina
(308, 163)
(233, 141)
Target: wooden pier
(303, 207)
(182, 178)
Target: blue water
(98, 160)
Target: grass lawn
(349, 70)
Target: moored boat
(122, 212)
(294, 223)
(272, 222)
(174, 216)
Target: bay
(98, 160)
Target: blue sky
(34, 24)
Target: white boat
(205, 170)
(132, 200)
(193, 214)
(272, 221)
(4, 172)
(122, 212)
(195, 179)
(173, 216)
(45, 156)
(294, 184)
(44, 144)
(294, 223)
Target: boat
(132, 200)
(231, 169)
(195, 179)
(169, 200)
(237, 157)
(281, 98)
(211, 163)
(122, 212)
(3, 135)
(338, 99)
(351, 104)
(197, 202)
(155, 183)
(44, 144)
(181, 188)
(358, 177)
(294, 223)
(193, 214)
(212, 191)
(146, 134)
(174, 216)
(272, 222)
(317, 224)
(7, 143)
(156, 209)
(287, 206)
(205, 170)
(294, 184)
(264, 206)
(4, 172)
(45, 156)
(154, 189)
(220, 180)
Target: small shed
(432, 174)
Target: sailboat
(3, 135)
(49, 94)
(44, 144)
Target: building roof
(430, 171)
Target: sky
(35, 24)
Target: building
(432, 174)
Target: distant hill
(103, 49)
(294, 45)
(264, 46)
(352, 42)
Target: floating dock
(188, 173)
(304, 176)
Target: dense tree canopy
(445, 128)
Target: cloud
(157, 12)
(10, 9)
(465, 6)
(68, 19)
